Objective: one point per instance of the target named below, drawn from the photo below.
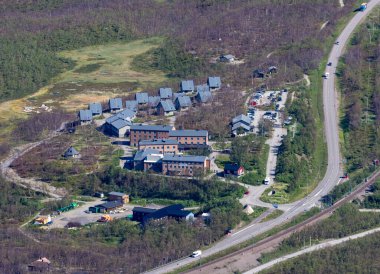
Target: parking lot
(79, 215)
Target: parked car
(266, 181)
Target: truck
(363, 7)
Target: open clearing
(100, 72)
(111, 63)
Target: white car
(196, 253)
(326, 75)
(266, 181)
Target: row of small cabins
(165, 103)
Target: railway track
(275, 239)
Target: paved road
(333, 171)
(317, 247)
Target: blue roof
(120, 123)
(152, 127)
(203, 88)
(70, 152)
(126, 114)
(142, 98)
(142, 154)
(85, 115)
(178, 94)
(240, 125)
(131, 104)
(154, 101)
(111, 119)
(214, 82)
(166, 93)
(158, 142)
(204, 97)
(116, 103)
(167, 105)
(188, 133)
(242, 118)
(183, 101)
(184, 158)
(96, 108)
(187, 85)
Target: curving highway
(333, 171)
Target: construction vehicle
(105, 219)
(43, 220)
(67, 208)
(363, 7)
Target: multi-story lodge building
(188, 139)
(181, 165)
(148, 132)
(162, 145)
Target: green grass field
(111, 63)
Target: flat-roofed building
(185, 165)
(190, 138)
(148, 132)
(162, 145)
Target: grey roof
(187, 85)
(183, 101)
(178, 94)
(85, 115)
(240, 125)
(126, 114)
(96, 108)
(131, 104)
(111, 119)
(142, 154)
(214, 82)
(143, 209)
(70, 152)
(227, 56)
(120, 123)
(188, 133)
(184, 158)
(203, 88)
(115, 193)
(111, 205)
(204, 97)
(142, 98)
(116, 103)
(167, 105)
(152, 127)
(158, 142)
(166, 93)
(241, 118)
(153, 101)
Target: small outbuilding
(182, 103)
(131, 104)
(233, 169)
(228, 58)
(214, 82)
(95, 108)
(71, 152)
(166, 93)
(187, 86)
(115, 104)
(166, 107)
(118, 196)
(40, 265)
(142, 98)
(85, 116)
